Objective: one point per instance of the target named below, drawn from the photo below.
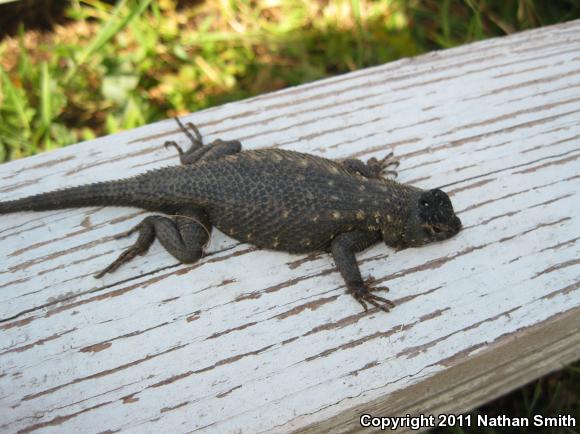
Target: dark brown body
(292, 202)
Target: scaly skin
(274, 199)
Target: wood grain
(255, 341)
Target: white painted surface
(256, 341)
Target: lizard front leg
(200, 152)
(343, 250)
(373, 168)
(184, 236)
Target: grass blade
(115, 24)
(45, 101)
(11, 95)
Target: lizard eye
(424, 204)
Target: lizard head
(431, 219)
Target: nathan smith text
(536, 420)
(463, 420)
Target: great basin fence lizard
(274, 199)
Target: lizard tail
(112, 193)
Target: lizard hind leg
(184, 236)
(195, 151)
(200, 152)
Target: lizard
(272, 198)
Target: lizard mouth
(442, 231)
(455, 225)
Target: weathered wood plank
(521, 355)
(263, 341)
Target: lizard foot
(196, 141)
(140, 247)
(384, 165)
(365, 295)
(195, 138)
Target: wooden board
(255, 341)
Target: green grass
(114, 67)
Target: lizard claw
(198, 137)
(126, 256)
(383, 166)
(364, 295)
(390, 160)
(140, 247)
(173, 144)
(196, 141)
